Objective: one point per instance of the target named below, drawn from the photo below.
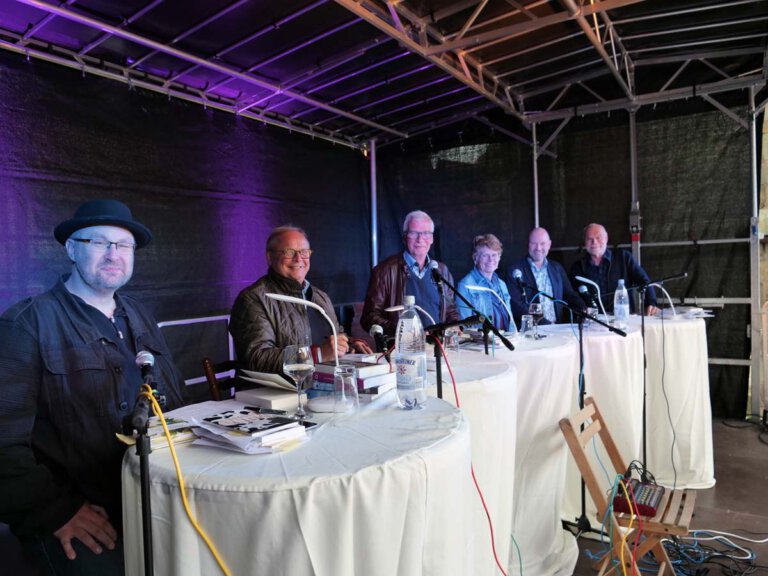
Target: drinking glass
(537, 311)
(451, 339)
(345, 397)
(298, 365)
(526, 326)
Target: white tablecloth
(614, 377)
(487, 390)
(384, 491)
(679, 434)
(546, 378)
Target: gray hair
(486, 241)
(279, 231)
(416, 215)
(588, 226)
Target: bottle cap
(409, 300)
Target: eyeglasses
(290, 253)
(415, 235)
(489, 256)
(99, 245)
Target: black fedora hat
(103, 213)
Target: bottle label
(409, 371)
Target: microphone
(587, 296)
(599, 297)
(377, 333)
(517, 276)
(469, 321)
(146, 361)
(433, 268)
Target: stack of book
(250, 431)
(373, 380)
(180, 431)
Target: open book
(268, 379)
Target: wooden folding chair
(673, 515)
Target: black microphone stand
(582, 522)
(143, 450)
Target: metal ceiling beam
(125, 23)
(510, 134)
(181, 55)
(648, 99)
(697, 43)
(378, 20)
(578, 13)
(695, 28)
(295, 48)
(501, 17)
(188, 32)
(271, 27)
(97, 67)
(728, 5)
(526, 27)
(321, 69)
(698, 56)
(431, 126)
(387, 99)
(47, 19)
(370, 87)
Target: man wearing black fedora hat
(68, 380)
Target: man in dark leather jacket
(408, 273)
(68, 379)
(262, 327)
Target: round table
(380, 492)
(546, 379)
(487, 390)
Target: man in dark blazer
(538, 274)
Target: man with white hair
(604, 267)
(68, 380)
(408, 272)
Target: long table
(380, 492)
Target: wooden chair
(674, 513)
(216, 384)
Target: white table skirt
(381, 492)
(487, 391)
(679, 435)
(546, 378)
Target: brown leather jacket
(262, 327)
(387, 288)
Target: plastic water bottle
(410, 358)
(621, 306)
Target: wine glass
(298, 365)
(537, 311)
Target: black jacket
(60, 407)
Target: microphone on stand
(587, 296)
(517, 276)
(599, 297)
(438, 279)
(377, 333)
(146, 361)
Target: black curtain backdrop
(211, 185)
(693, 182)
(208, 184)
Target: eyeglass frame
(291, 253)
(102, 245)
(414, 235)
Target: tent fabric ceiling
(351, 71)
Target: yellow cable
(146, 391)
(629, 527)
